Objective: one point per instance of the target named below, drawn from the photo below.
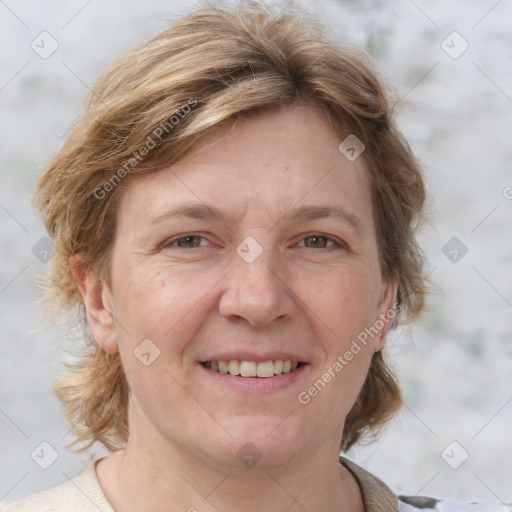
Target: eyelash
(336, 244)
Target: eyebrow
(307, 212)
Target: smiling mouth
(264, 369)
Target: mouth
(261, 369)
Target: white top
(81, 494)
(455, 506)
(84, 494)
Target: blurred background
(451, 64)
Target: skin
(306, 295)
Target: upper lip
(253, 356)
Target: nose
(257, 292)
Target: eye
(186, 242)
(317, 241)
(313, 241)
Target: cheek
(345, 301)
(345, 310)
(161, 304)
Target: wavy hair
(223, 63)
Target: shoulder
(423, 504)
(81, 494)
(46, 501)
(378, 497)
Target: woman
(233, 218)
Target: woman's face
(259, 247)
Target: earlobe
(98, 305)
(386, 314)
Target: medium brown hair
(209, 67)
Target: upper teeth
(252, 368)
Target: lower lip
(258, 384)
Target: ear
(98, 304)
(385, 313)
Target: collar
(377, 496)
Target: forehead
(273, 162)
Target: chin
(266, 441)
(256, 442)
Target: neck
(155, 474)
(137, 479)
